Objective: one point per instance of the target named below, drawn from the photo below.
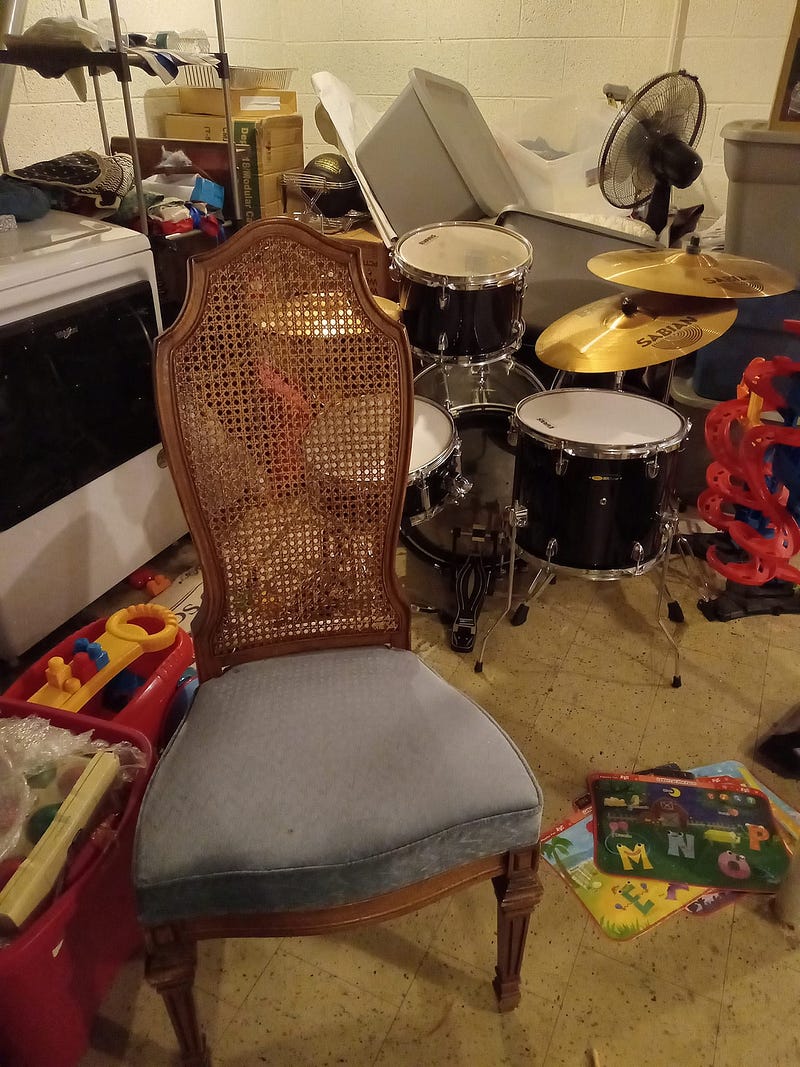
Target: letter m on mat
(629, 856)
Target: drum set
(568, 479)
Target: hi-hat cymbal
(641, 329)
(692, 273)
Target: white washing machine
(84, 499)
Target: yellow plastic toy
(123, 642)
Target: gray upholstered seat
(316, 779)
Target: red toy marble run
(743, 497)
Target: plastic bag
(39, 764)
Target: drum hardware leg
(542, 579)
(669, 381)
(513, 514)
(676, 676)
(559, 379)
(698, 579)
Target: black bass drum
(481, 400)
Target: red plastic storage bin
(147, 708)
(55, 973)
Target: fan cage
(671, 103)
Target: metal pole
(226, 96)
(125, 82)
(98, 97)
(12, 20)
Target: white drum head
(433, 434)
(463, 251)
(602, 418)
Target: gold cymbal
(692, 273)
(640, 329)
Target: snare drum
(481, 400)
(434, 474)
(461, 288)
(595, 470)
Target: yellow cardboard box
(243, 101)
(274, 131)
(374, 257)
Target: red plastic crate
(54, 975)
(148, 706)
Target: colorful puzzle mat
(719, 835)
(623, 907)
(787, 817)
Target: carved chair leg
(518, 891)
(170, 968)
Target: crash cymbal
(620, 333)
(692, 273)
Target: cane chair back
(285, 403)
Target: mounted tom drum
(461, 289)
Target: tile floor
(583, 686)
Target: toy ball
(40, 821)
(334, 203)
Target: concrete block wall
(509, 53)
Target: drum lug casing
(442, 343)
(444, 298)
(425, 497)
(516, 515)
(513, 436)
(637, 555)
(394, 271)
(651, 467)
(460, 489)
(561, 462)
(552, 549)
(461, 486)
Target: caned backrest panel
(284, 396)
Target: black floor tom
(595, 471)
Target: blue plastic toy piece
(119, 691)
(96, 652)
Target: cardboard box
(275, 131)
(273, 143)
(375, 258)
(252, 102)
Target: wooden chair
(324, 776)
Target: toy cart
(143, 706)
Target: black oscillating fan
(648, 149)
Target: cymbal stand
(671, 526)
